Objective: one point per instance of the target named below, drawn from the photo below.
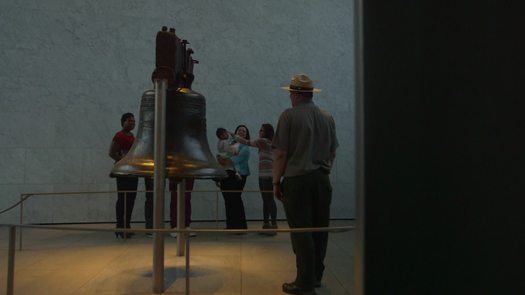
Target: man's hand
(277, 192)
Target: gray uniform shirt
(307, 134)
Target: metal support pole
(187, 264)
(159, 185)
(360, 251)
(11, 261)
(181, 215)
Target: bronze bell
(187, 151)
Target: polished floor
(78, 262)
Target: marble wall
(70, 68)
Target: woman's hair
(268, 130)
(247, 131)
(125, 117)
(220, 131)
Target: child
(226, 149)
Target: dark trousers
(125, 199)
(235, 216)
(306, 202)
(148, 205)
(269, 206)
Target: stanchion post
(11, 261)
(181, 215)
(216, 213)
(22, 200)
(125, 234)
(217, 209)
(187, 264)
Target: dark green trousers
(306, 202)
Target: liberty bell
(188, 154)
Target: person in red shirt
(120, 145)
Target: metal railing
(25, 196)
(185, 232)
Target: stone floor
(80, 262)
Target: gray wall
(69, 69)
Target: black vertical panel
(444, 152)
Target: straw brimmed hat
(301, 83)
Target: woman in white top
(264, 144)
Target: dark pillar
(444, 155)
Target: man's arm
(241, 140)
(279, 163)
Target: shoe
(237, 234)
(129, 234)
(268, 226)
(291, 288)
(149, 235)
(265, 226)
(122, 235)
(192, 234)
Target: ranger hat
(301, 83)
